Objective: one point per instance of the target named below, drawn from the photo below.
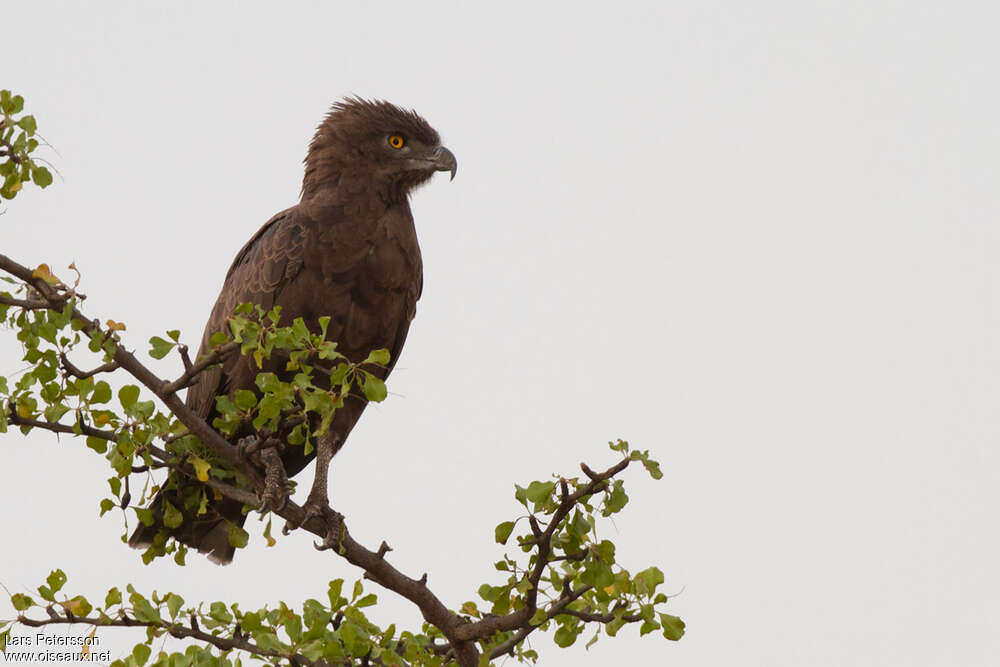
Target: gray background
(758, 241)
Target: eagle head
(364, 145)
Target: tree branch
(192, 370)
(490, 626)
(211, 438)
(175, 630)
(461, 634)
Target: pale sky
(760, 242)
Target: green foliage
(334, 629)
(125, 431)
(580, 561)
(17, 142)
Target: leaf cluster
(17, 143)
(334, 630)
(566, 571)
(322, 377)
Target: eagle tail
(207, 532)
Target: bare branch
(56, 427)
(76, 372)
(27, 304)
(213, 357)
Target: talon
(333, 520)
(247, 446)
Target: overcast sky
(761, 243)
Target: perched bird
(347, 250)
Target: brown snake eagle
(347, 250)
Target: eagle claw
(319, 509)
(334, 529)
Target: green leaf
(646, 581)
(237, 536)
(41, 176)
(141, 654)
(597, 574)
(106, 506)
(619, 446)
(565, 636)
(143, 611)
(615, 500)
(578, 526)
(218, 612)
(349, 635)
(267, 641)
(373, 388)
(55, 580)
(113, 597)
(336, 586)
(128, 395)
(175, 334)
(21, 601)
(606, 551)
(28, 124)
(224, 405)
(673, 627)
(245, 399)
(77, 606)
(380, 357)
(102, 393)
(502, 532)
(54, 413)
(366, 601)
(160, 347)
(99, 445)
(538, 492)
(268, 382)
(293, 626)
(172, 517)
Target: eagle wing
(263, 268)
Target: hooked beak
(444, 160)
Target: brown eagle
(347, 250)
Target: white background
(760, 242)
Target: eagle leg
(318, 502)
(276, 487)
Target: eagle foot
(248, 446)
(334, 529)
(321, 509)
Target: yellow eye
(396, 141)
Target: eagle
(348, 251)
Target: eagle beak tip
(446, 162)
